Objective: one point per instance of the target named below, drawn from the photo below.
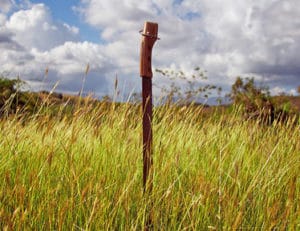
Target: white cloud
(293, 92)
(71, 58)
(281, 90)
(2, 19)
(5, 5)
(227, 38)
(277, 90)
(72, 29)
(34, 28)
(31, 41)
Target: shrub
(12, 99)
(257, 103)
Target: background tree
(246, 92)
(8, 90)
(257, 103)
(12, 99)
(255, 100)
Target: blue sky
(259, 39)
(64, 11)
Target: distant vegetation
(75, 163)
(254, 101)
(257, 103)
(24, 103)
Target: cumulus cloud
(5, 5)
(31, 41)
(226, 38)
(34, 28)
(68, 63)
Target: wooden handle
(149, 37)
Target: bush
(12, 99)
(257, 103)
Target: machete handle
(149, 34)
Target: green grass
(211, 172)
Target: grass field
(211, 171)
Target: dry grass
(85, 173)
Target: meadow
(212, 171)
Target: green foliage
(8, 94)
(13, 100)
(9, 84)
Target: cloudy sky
(254, 38)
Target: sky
(249, 38)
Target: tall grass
(213, 172)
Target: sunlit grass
(211, 172)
